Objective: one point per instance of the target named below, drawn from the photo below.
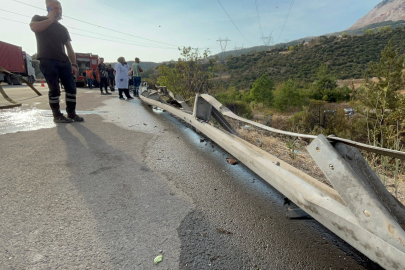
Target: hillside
(387, 10)
(358, 31)
(346, 57)
(145, 65)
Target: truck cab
(29, 69)
(85, 60)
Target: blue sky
(167, 24)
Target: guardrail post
(356, 191)
(202, 109)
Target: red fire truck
(86, 60)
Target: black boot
(126, 91)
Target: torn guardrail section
(334, 215)
(357, 193)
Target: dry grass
(223, 77)
(358, 83)
(283, 148)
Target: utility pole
(223, 43)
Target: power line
(97, 37)
(132, 15)
(232, 21)
(266, 40)
(146, 45)
(13, 20)
(102, 26)
(286, 19)
(138, 44)
(111, 6)
(15, 13)
(258, 17)
(116, 41)
(122, 42)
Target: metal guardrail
(6, 97)
(369, 148)
(357, 209)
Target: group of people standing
(126, 76)
(121, 75)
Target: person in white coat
(121, 78)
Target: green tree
(382, 94)
(189, 75)
(288, 96)
(344, 34)
(383, 106)
(325, 84)
(369, 32)
(235, 101)
(262, 90)
(385, 29)
(384, 109)
(312, 118)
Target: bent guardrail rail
(24, 80)
(6, 97)
(358, 209)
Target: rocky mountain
(387, 10)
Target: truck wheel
(31, 79)
(8, 80)
(15, 80)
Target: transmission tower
(223, 43)
(268, 40)
(238, 48)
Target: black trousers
(103, 83)
(54, 70)
(126, 91)
(111, 81)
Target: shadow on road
(132, 207)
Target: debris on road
(213, 258)
(219, 230)
(202, 140)
(232, 161)
(158, 259)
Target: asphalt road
(131, 183)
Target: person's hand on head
(52, 16)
